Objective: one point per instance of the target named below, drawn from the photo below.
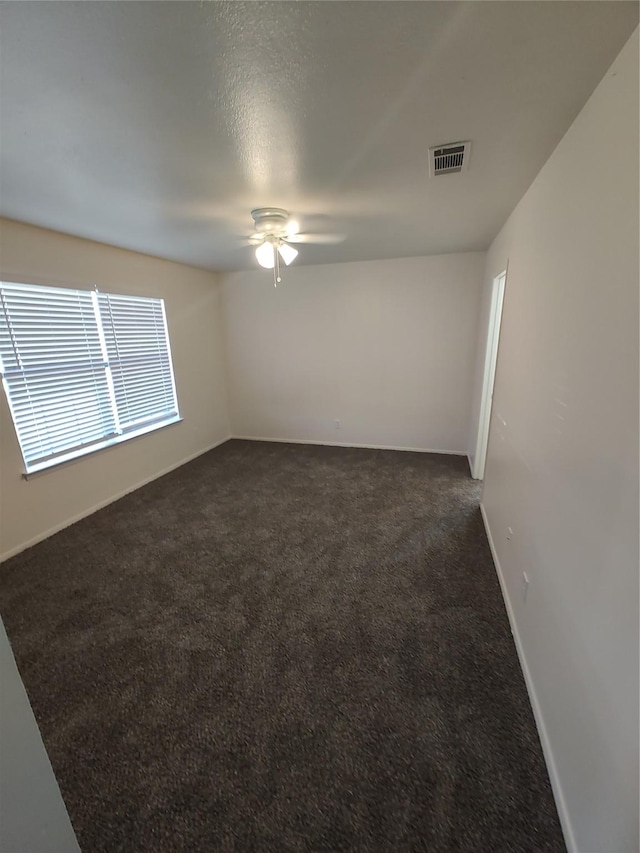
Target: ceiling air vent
(446, 159)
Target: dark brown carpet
(283, 648)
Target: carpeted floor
(283, 648)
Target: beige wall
(385, 347)
(34, 816)
(562, 469)
(31, 509)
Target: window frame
(77, 452)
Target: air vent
(446, 159)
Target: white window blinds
(137, 344)
(82, 369)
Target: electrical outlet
(525, 586)
(337, 424)
(509, 533)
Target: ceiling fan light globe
(287, 253)
(265, 255)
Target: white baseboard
(470, 466)
(547, 750)
(85, 512)
(349, 444)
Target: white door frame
(488, 379)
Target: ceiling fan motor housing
(271, 220)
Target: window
(82, 369)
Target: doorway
(489, 375)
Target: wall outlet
(509, 533)
(525, 586)
(337, 424)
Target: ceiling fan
(274, 233)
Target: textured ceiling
(158, 126)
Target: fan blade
(255, 239)
(326, 239)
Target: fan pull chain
(276, 267)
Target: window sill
(73, 455)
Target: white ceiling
(158, 126)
